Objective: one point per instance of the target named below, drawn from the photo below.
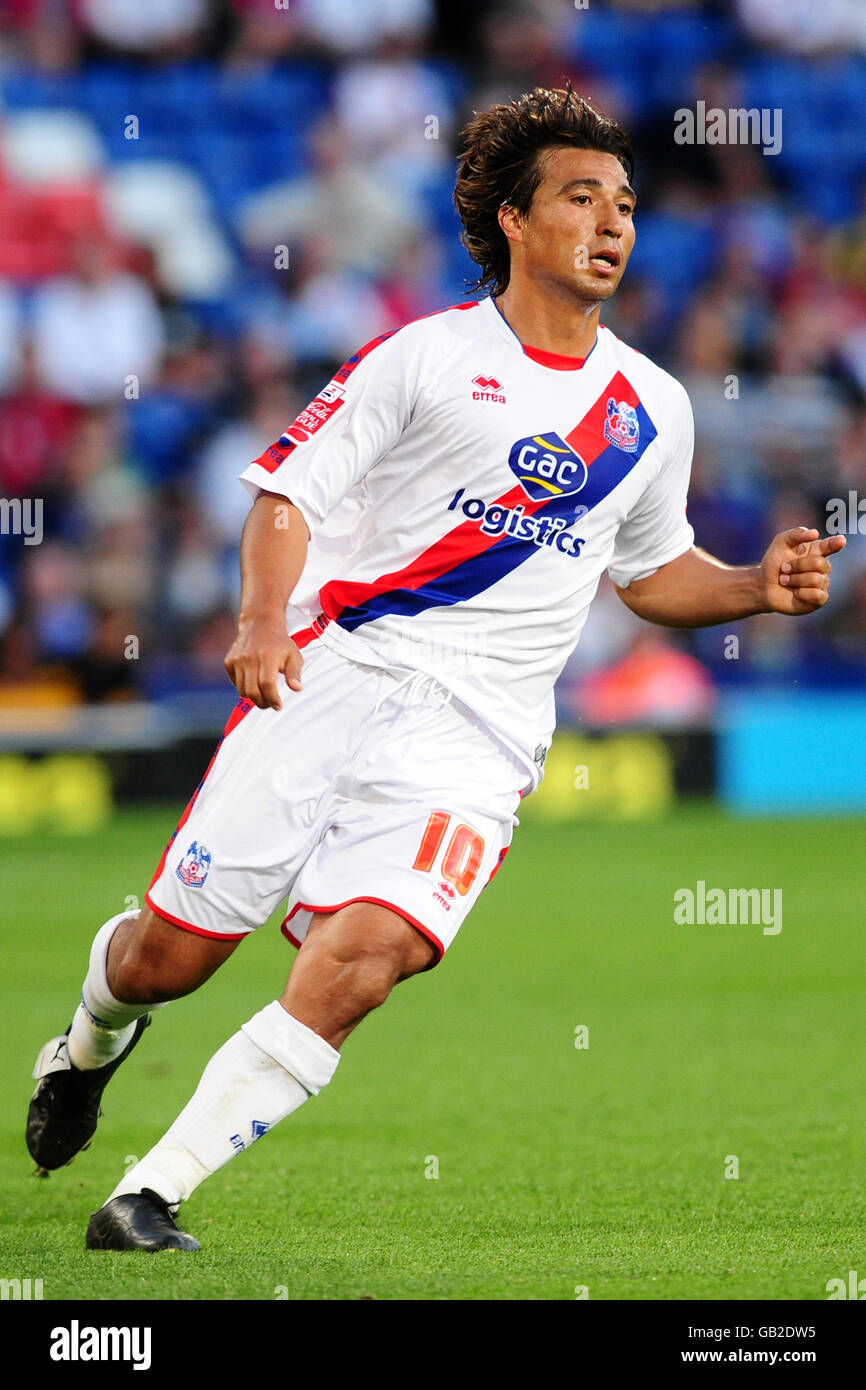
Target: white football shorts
(370, 784)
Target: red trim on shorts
(293, 940)
(498, 865)
(240, 711)
(365, 898)
(188, 926)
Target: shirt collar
(556, 361)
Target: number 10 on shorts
(463, 854)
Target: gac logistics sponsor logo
(545, 466)
(494, 519)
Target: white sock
(102, 1025)
(256, 1079)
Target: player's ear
(511, 222)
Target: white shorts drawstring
(414, 682)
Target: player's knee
(370, 954)
(373, 978)
(151, 961)
(140, 976)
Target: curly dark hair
(499, 164)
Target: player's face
(579, 230)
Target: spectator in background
(224, 504)
(35, 428)
(338, 210)
(193, 580)
(394, 117)
(738, 272)
(95, 329)
(654, 683)
(804, 26)
(339, 234)
(55, 605)
(41, 32)
(264, 32)
(364, 25)
(99, 488)
(106, 671)
(166, 28)
(10, 337)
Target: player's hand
(261, 650)
(796, 571)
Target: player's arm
(296, 484)
(697, 590)
(273, 553)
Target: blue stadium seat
(149, 145)
(20, 89)
(673, 252)
(161, 430)
(608, 40)
(287, 97)
(777, 82)
(438, 195)
(109, 90)
(458, 268)
(678, 44)
(234, 165)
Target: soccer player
(434, 526)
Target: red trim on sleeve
(323, 407)
(365, 898)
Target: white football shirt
(464, 494)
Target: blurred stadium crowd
(206, 205)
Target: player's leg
(219, 878)
(347, 966)
(387, 883)
(138, 961)
(151, 961)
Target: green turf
(558, 1167)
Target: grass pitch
(711, 1049)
